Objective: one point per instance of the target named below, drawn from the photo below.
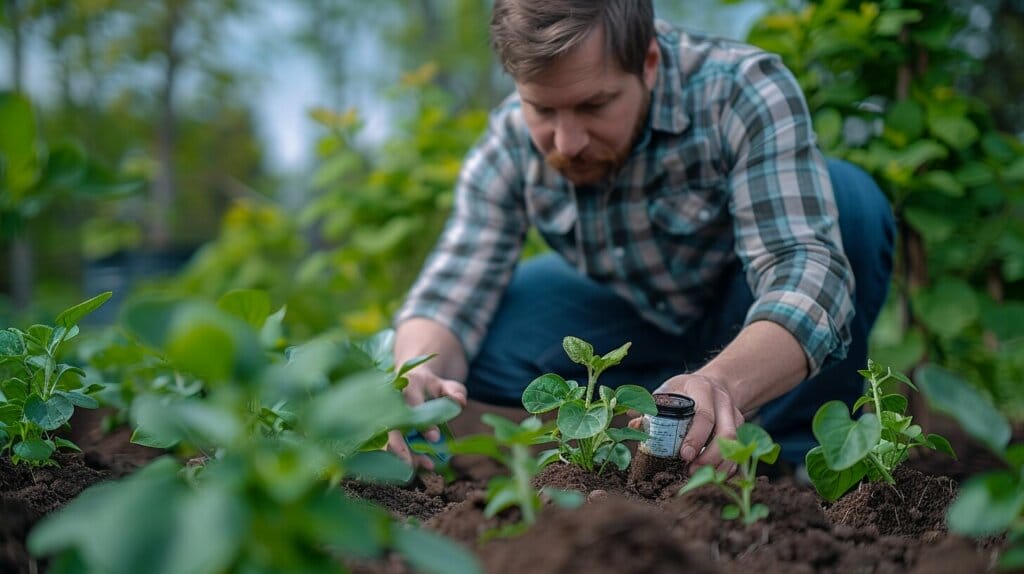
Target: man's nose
(570, 137)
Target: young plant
(510, 445)
(582, 417)
(265, 500)
(752, 445)
(871, 446)
(992, 503)
(38, 395)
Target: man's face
(584, 112)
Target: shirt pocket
(692, 230)
(681, 211)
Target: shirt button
(619, 252)
(704, 215)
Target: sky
(292, 82)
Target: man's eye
(543, 111)
(593, 107)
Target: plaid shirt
(727, 168)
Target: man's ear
(651, 61)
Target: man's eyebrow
(603, 95)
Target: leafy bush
(882, 82)
(265, 500)
(991, 503)
(38, 395)
(752, 445)
(871, 446)
(583, 419)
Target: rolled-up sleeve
(786, 221)
(467, 273)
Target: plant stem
(881, 468)
(591, 381)
(520, 462)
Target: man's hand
(424, 385)
(715, 415)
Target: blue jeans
(548, 299)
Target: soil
(635, 522)
(28, 494)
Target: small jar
(668, 428)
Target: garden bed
(626, 524)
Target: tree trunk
(22, 268)
(165, 186)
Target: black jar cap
(673, 405)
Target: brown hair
(527, 35)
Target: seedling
(871, 446)
(510, 445)
(585, 420)
(992, 503)
(752, 445)
(38, 395)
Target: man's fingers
(398, 446)
(725, 427)
(431, 434)
(636, 423)
(454, 390)
(700, 430)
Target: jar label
(666, 435)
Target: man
(677, 180)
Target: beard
(599, 161)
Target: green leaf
(578, 350)
(1014, 173)
(943, 182)
(637, 398)
(828, 124)
(65, 443)
(432, 413)
(34, 450)
(891, 22)
(615, 453)
(80, 400)
(65, 166)
(918, 154)
(907, 118)
(250, 305)
(845, 442)
(951, 395)
(14, 389)
(730, 512)
(11, 344)
(378, 467)
(482, 444)
(612, 358)
(564, 498)
(895, 403)
(545, 393)
(432, 553)
(49, 414)
(626, 433)
(272, 332)
(703, 475)
(735, 450)
(948, 308)
(758, 512)
(70, 317)
(829, 483)
(934, 226)
(501, 494)
(607, 394)
(987, 505)
(413, 363)
(766, 450)
(18, 144)
(143, 437)
(576, 421)
(940, 444)
(957, 132)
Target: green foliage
(266, 498)
(583, 419)
(991, 503)
(38, 394)
(882, 81)
(35, 175)
(752, 445)
(871, 446)
(510, 445)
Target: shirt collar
(667, 113)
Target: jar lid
(673, 405)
